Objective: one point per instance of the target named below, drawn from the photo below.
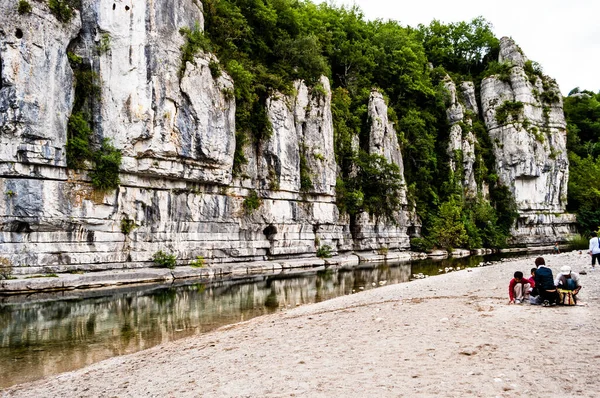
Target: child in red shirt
(519, 288)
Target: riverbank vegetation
(582, 111)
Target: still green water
(46, 334)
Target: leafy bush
(449, 230)
(6, 268)
(87, 88)
(127, 225)
(74, 59)
(251, 202)
(305, 178)
(164, 260)
(105, 176)
(500, 70)
(195, 42)
(349, 199)
(533, 70)
(78, 141)
(104, 44)
(421, 245)
(62, 9)
(550, 96)
(215, 69)
(324, 251)
(375, 188)
(509, 108)
(198, 262)
(584, 174)
(239, 158)
(380, 182)
(319, 90)
(481, 224)
(24, 7)
(107, 159)
(503, 202)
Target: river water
(50, 333)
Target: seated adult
(568, 280)
(544, 282)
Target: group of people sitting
(542, 288)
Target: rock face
(174, 124)
(461, 144)
(166, 126)
(36, 89)
(524, 116)
(383, 141)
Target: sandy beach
(452, 335)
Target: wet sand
(452, 335)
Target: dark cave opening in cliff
(270, 232)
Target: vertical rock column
(461, 145)
(370, 232)
(523, 113)
(295, 173)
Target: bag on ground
(566, 297)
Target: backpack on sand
(566, 297)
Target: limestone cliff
(374, 233)
(174, 124)
(523, 114)
(524, 117)
(461, 145)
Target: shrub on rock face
(24, 7)
(6, 268)
(251, 202)
(127, 226)
(105, 176)
(198, 262)
(324, 251)
(78, 142)
(63, 9)
(164, 260)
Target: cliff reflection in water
(66, 331)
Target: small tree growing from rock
(164, 260)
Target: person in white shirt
(568, 280)
(594, 249)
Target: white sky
(562, 35)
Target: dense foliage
(24, 7)
(63, 9)
(464, 49)
(582, 111)
(80, 146)
(264, 45)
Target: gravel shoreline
(449, 335)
